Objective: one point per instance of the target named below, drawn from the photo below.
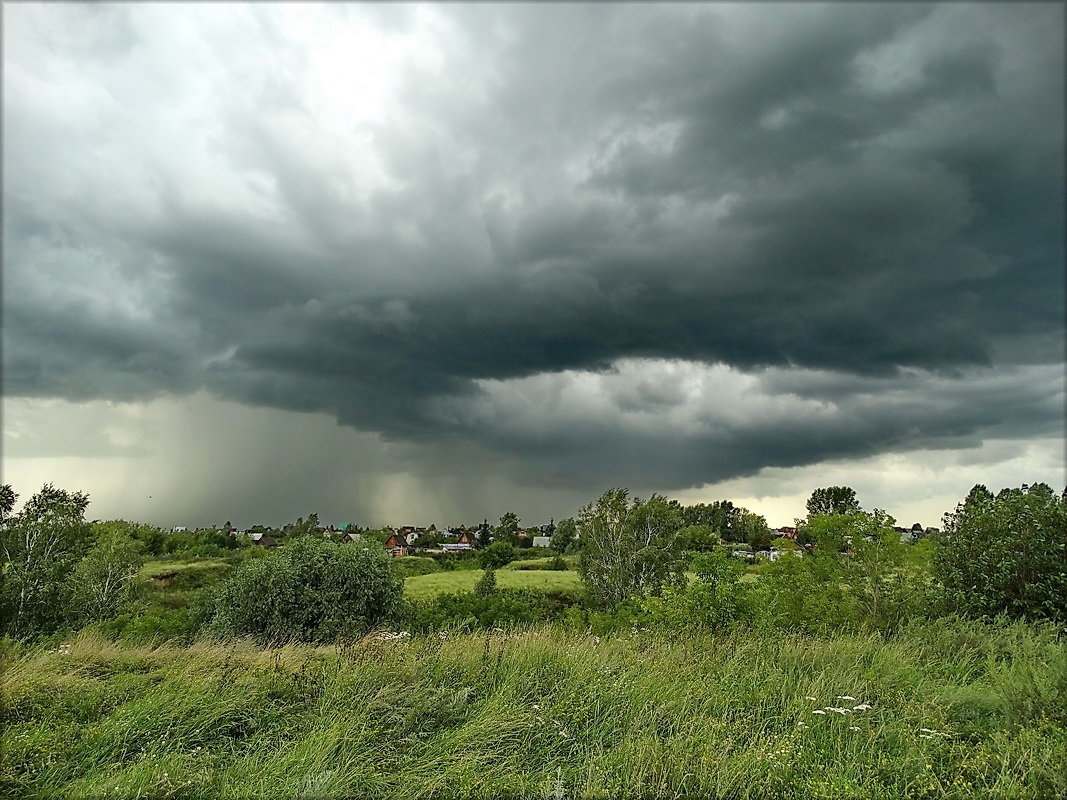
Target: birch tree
(630, 546)
(40, 546)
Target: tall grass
(545, 713)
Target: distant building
(178, 529)
(542, 541)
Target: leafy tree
(310, 590)
(154, 539)
(698, 538)
(486, 585)
(8, 496)
(832, 500)
(496, 555)
(630, 547)
(722, 517)
(754, 528)
(1006, 554)
(106, 577)
(302, 527)
(40, 546)
(563, 535)
(508, 529)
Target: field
(424, 587)
(956, 709)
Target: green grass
(424, 587)
(544, 713)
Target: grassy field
(947, 710)
(424, 587)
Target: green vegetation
(424, 587)
(310, 590)
(859, 666)
(945, 709)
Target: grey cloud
(868, 193)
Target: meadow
(948, 708)
(425, 587)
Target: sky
(431, 263)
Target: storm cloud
(660, 246)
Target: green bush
(496, 555)
(1006, 554)
(501, 608)
(309, 590)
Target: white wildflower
(845, 697)
(818, 711)
(812, 699)
(862, 707)
(853, 728)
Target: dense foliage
(310, 590)
(1007, 554)
(41, 545)
(629, 547)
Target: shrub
(502, 608)
(486, 585)
(310, 590)
(1006, 554)
(496, 555)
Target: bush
(1006, 554)
(311, 590)
(496, 555)
(502, 608)
(486, 585)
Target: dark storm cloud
(854, 205)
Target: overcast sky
(419, 264)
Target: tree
(310, 590)
(40, 546)
(106, 576)
(496, 555)
(722, 517)
(508, 529)
(8, 496)
(700, 538)
(1006, 554)
(563, 535)
(485, 534)
(832, 500)
(630, 547)
(754, 529)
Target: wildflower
(818, 711)
(845, 697)
(853, 728)
(862, 707)
(926, 730)
(812, 699)
(535, 707)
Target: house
(179, 529)
(542, 541)
(787, 532)
(262, 540)
(449, 547)
(465, 537)
(397, 544)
